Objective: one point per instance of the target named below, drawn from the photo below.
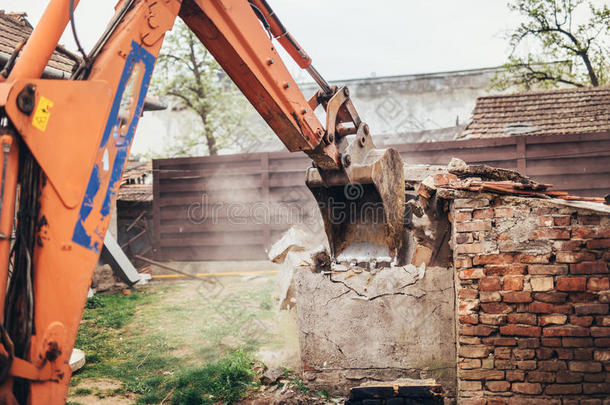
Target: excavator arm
(65, 144)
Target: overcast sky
(360, 38)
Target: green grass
(164, 343)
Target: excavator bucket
(362, 206)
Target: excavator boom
(65, 144)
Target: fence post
(156, 231)
(266, 198)
(521, 155)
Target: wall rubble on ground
(533, 292)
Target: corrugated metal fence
(233, 207)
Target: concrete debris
(104, 280)
(77, 359)
(271, 376)
(293, 251)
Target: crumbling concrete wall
(357, 327)
(533, 298)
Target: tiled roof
(136, 184)
(15, 28)
(566, 111)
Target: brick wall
(532, 300)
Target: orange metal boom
(72, 139)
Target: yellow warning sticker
(42, 114)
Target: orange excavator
(65, 144)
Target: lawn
(183, 342)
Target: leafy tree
(566, 41)
(195, 83)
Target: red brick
(505, 269)
(523, 318)
(501, 341)
(564, 354)
(545, 221)
(540, 376)
(595, 377)
(528, 343)
(547, 269)
(503, 353)
(526, 258)
(561, 221)
(462, 216)
(598, 284)
(545, 320)
(598, 244)
(549, 233)
(603, 388)
(527, 388)
(474, 401)
(514, 283)
(496, 308)
(602, 342)
(583, 233)
(571, 283)
(485, 213)
(490, 296)
(602, 355)
(589, 268)
(573, 257)
(478, 330)
(600, 331)
(473, 226)
(527, 364)
(551, 342)
(489, 284)
(588, 219)
(471, 248)
(492, 319)
(497, 386)
(581, 320)
(566, 330)
(501, 364)
(518, 296)
(563, 389)
(471, 319)
(503, 212)
(494, 259)
(563, 376)
(551, 297)
(563, 309)
(591, 308)
(552, 365)
(583, 354)
(576, 342)
(585, 366)
(541, 308)
(582, 297)
(518, 330)
(474, 351)
(468, 293)
(469, 364)
(570, 245)
(462, 262)
(469, 340)
(545, 353)
(602, 320)
(469, 274)
(524, 354)
(481, 374)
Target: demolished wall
(532, 297)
